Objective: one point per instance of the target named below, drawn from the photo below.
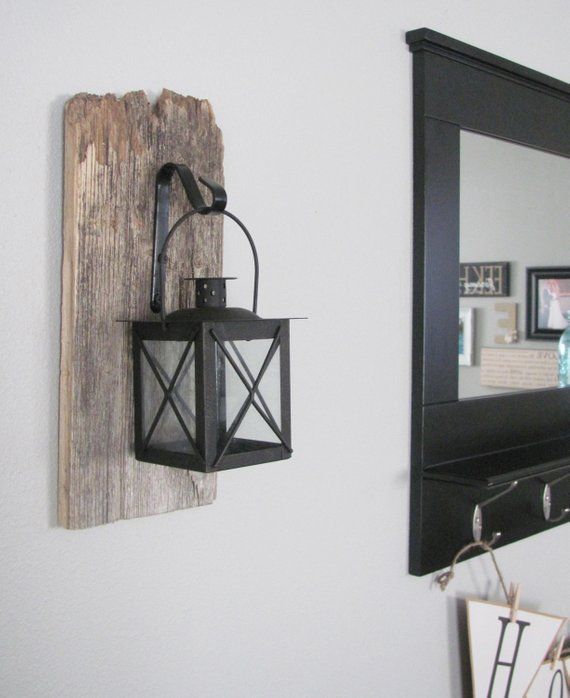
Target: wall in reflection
(515, 207)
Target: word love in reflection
(484, 279)
(507, 656)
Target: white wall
(294, 582)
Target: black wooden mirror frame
(465, 451)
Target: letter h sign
(505, 622)
(506, 655)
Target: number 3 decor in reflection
(211, 383)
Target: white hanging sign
(551, 681)
(505, 654)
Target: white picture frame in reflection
(466, 336)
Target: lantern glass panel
(254, 429)
(168, 417)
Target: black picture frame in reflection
(548, 302)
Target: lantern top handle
(162, 233)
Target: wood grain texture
(113, 149)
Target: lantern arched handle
(162, 235)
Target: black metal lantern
(211, 383)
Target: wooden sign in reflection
(507, 323)
(478, 279)
(525, 369)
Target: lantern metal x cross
(252, 387)
(168, 394)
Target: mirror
(514, 215)
(490, 436)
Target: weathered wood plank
(113, 148)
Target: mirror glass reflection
(515, 261)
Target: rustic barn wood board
(113, 148)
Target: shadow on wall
(458, 646)
(54, 241)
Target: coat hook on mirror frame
(478, 512)
(547, 501)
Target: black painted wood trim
(461, 447)
(428, 40)
(493, 105)
(468, 428)
(440, 302)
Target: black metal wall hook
(163, 188)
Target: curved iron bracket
(163, 188)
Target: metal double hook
(478, 519)
(547, 501)
(477, 526)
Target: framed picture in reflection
(547, 302)
(466, 336)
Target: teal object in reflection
(564, 356)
